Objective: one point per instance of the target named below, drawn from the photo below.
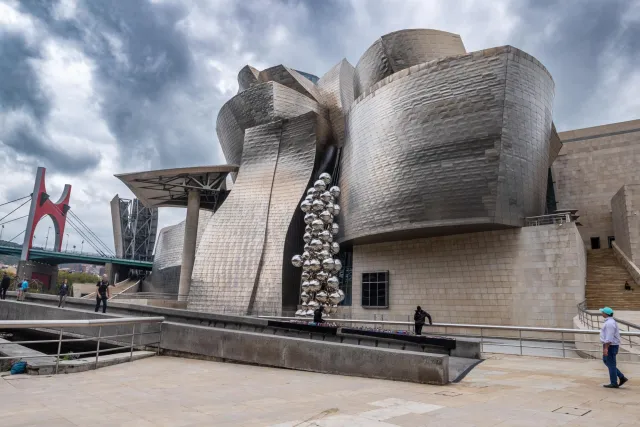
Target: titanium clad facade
(449, 146)
(336, 87)
(400, 50)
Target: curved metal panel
(455, 145)
(260, 104)
(400, 50)
(302, 138)
(336, 87)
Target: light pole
(46, 241)
(1, 230)
(81, 246)
(66, 248)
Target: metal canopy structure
(170, 187)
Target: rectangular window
(595, 243)
(611, 239)
(375, 289)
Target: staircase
(605, 283)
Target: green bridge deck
(55, 258)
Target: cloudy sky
(89, 88)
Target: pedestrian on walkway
(22, 289)
(103, 294)
(64, 290)
(4, 285)
(610, 338)
(419, 318)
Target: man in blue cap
(610, 338)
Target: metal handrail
(62, 324)
(461, 326)
(25, 324)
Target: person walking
(4, 285)
(103, 294)
(22, 290)
(419, 318)
(610, 338)
(64, 290)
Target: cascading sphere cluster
(320, 285)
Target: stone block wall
(533, 276)
(625, 207)
(591, 167)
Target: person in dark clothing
(103, 294)
(419, 317)
(4, 285)
(627, 286)
(317, 315)
(62, 293)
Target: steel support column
(189, 246)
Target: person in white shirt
(610, 339)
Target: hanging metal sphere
(335, 248)
(307, 229)
(314, 285)
(326, 309)
(326, 217)
(335, 191)
(317, 224)
(326, 246)
(336, 209)
(334, 308)
(306, 237)
(309, 313)
(321, 296)
(325, 196)
(319, 185)
(322, 255)
(307, 248)
(306, 265)
(314, 265)
(337, 265)
(296, 261)
(335, 228)
(327, 264)
(326, 178)
(305, 206)
(304, 296)
(324, 235)
(322, 276)
(317, 206)
(309, 218)
(305, 275)
(306, 255)
(312, 192)
(316, 245)
(300, 313)
(334, 298)
(305, 286)
(333, 282)
(341, 294)
(330, 207)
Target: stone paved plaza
(165, 391)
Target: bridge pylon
(41, 205)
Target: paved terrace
(164, 391)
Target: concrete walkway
(164, 391)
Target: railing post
(159, 341)
(98, 345)
(59, 348)
(133, 335)
(563, 352)
(481, 341)
(520, 334)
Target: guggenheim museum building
(443, 158)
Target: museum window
(595, 243)
(375, 289)
(610, 240)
